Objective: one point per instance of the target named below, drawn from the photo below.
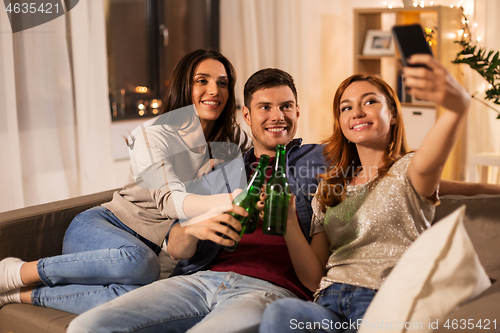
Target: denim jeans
(102, 259)
(205, 302)
(337, 309)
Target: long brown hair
(342, 154)
(179, 94)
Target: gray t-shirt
(371, 229)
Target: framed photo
(379, 43)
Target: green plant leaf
(485, 62)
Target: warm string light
(390, 5)
(141, 89)
(148, 107)
(416, 3)
(155, 106)
(468, 31)
(429, 36)
(141, 108)
(465, 22)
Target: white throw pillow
(437, 273)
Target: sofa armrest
(36, 232)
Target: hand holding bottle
(249, 197)
(222, 229)
(225, 224)
(292, 210)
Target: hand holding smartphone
(410, 40)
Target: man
(232, 296)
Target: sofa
(35, 232)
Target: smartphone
(410, 39)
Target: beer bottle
(254, 218)
(252, 222)
(277, 197)
(249, 197)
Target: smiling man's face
(272, 117)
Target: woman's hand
(434, 83)
(216, 227)
(292, 221)
(208, 167)
(262, 201)
(184, 237)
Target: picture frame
(379, 43)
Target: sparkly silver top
(371, 229)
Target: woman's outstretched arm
(434, 83)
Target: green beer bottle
(277, 196)
(249, 197)
(254, 218)
(252, 222)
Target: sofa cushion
(437, 273)
(31, 318)
(482, 222)
(483, 313)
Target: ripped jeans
(207, 301)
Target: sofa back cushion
(36, 232)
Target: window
(145, 40)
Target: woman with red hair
(375, 199)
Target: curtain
(257, 34)
(54, 113)
(483, 135)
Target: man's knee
(92, 321)
(283, 308)
(78, 326)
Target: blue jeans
(213, 302)
(102, 259)
(337, 309)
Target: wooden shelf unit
(445, 21)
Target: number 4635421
(32, 8)
(471, 324)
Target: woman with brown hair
(375, 199)
(112, 249)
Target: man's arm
(447, 187)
